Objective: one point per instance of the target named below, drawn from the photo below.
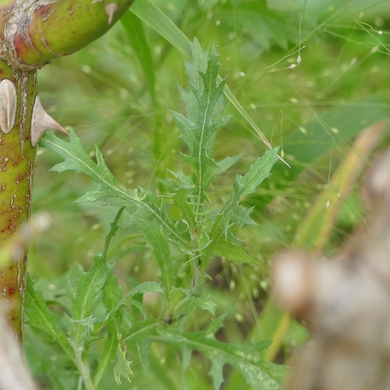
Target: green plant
(184, 229)
(314, 111)
(31, 34)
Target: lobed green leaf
(122, 367)
(109, 189)
(40, 317)
(246, 358)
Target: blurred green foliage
(311, 75)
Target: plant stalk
(17, 158)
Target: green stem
(36, 31)
(199, 278)
(17, 158)
(86, 375)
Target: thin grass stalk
(315, 230)
(324, 218)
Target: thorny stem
(17, 158)
(33, 32)
(199, 278)
(199, 274)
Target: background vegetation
(312, 75)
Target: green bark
(33, 32)
(16, 170)
(50, 28)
